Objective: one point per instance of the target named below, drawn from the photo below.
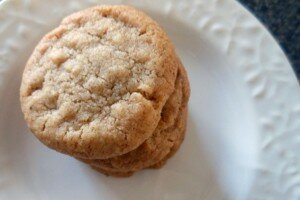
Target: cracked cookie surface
(167, 136)
(95, 86)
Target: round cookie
(168, 135)
(90, 82)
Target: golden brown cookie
(95, 86)
(174, 148)
(168, 133)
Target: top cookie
(95, 86)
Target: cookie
(173, 150)
(112, 173)
(167, 134)
(95, 86)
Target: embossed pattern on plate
(259, 61)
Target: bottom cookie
(159, 164)
(173, 150)
(112, 173)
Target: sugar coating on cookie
(95, 86)
(168, 133)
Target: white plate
(243, 131)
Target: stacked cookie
(107, 87)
